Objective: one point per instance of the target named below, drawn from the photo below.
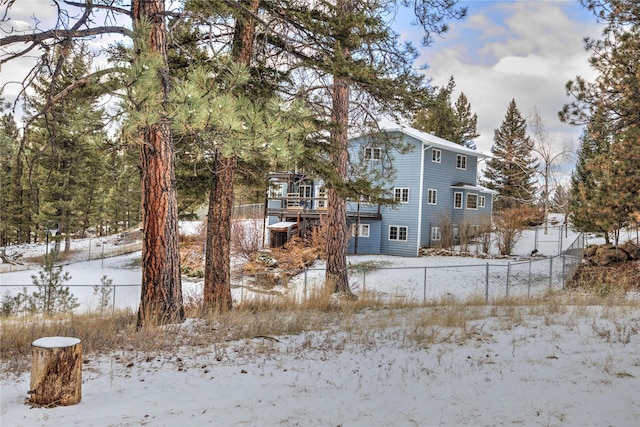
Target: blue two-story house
(434, 184)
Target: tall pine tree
(512, 168)
(453, 122)
(66, 161)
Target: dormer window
(372, 153)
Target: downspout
(419, 237)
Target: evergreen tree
(605, 193)
(587, 196)
(66, 163)
(512, 168)
(453, 122)
(14, 215)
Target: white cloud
(521, 50)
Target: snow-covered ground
(528, 366)
(416, 279)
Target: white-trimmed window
(304, 191)
(472, 201)
(364, 230)
(461, 161)
(322, 196)
(401, 195)
(457, 200)
(436, 155)
(481, 202)
(435, 233)
(398, 233)
(432, 197)
(372, 153)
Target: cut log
(56, 371)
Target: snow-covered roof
(471, 187)
(431, 140)
(283, 224)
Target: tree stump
(56, 371)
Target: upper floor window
(364, 230)
(397, 232)
(432, 197)
(372, 153)
(481, 202)
(457, 200)
(472, 201)
(436, 155)
(401, 195)
(461, 161)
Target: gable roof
(431, 140)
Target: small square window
(436, 155)
(401, 195)
(472, 201)
(461, 161)
(398, 233)
(372, 153)
(364, 230)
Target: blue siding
(366, 245)
(407, 167)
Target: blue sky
(525, 50)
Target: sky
(522, 50)
(525, 50)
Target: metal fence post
(564, 273)
(424, 287)
(486, 284)
(364, 281)
(304, 297)
(550, 273)
(508, 278)
(113, 303)
(529, 281)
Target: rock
(631, 249)
(590, 251)
(607, 254)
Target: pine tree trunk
(217, 273)
(217, 276)
(336, 274)
(56, 371)
(161, 295)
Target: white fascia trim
(419, 231)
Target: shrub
(50, 296)
(509, 224)
(104, 291)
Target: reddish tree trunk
(336, 274)
(217, 278)
(217, 275)
(161, 296)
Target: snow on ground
(551, 370)
(554, 368)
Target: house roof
(282, 225)
(431, 140)
(471, 187)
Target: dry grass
(361, 322)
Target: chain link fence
(491, 280)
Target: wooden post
(56, 371)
